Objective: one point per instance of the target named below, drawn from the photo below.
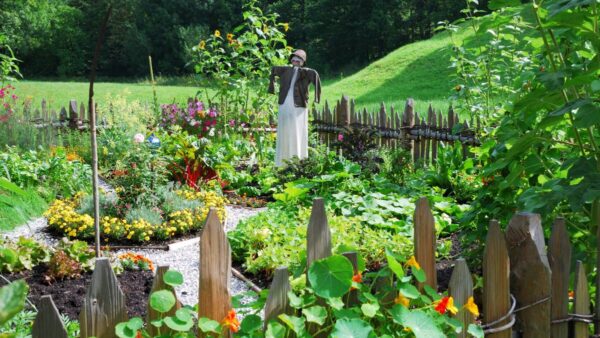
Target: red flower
(446, 303)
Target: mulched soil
(68, 294)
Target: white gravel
(183, 258)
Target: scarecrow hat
(299, 53)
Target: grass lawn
(419, 70)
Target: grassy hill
(419, 70)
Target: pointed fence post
(424, 237)
(352, 298)
(496, 283)
(104, 303)
(47, 321)
(530, 274)
(277, 301)
(318, 238)
(157, 285)
(559, 257)
(581, 302)
(215, 271)
(461, 288)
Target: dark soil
(68, 294)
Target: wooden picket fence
(419, 134)
(525, 288)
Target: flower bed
(65, 219)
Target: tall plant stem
(555, 68)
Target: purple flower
(340, 137)
(212, 113)
(231, 123)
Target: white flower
(211, 133)
(139, 138)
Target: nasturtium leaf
(331, 277)
(173, 278)
(123, 331)
(293, 322)
(431, 292)
(208, 325)
(315, 314)
(369, 309)
(251, 323)
(183, 314)
(351, 328)
(409, 291)
(157, 322)
(162, 300)
(346, 313)
(178, 325)
(335, 303)
(275, 330)
(475, 331)
(394, 265)
(421, 324)
(295, 301)
(135, 323)
(12, 298)
(419, 275)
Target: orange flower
(402, 300)
(412, 262)
(73, 157)
(571, 294)
(357, 278)
(472, 307)
(231, 321)
(444, 304)
(139, 334)
(229, 37)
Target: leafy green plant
(25, 253)
(12, 299)
(62, 266)
(20, 325)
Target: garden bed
(68, 294)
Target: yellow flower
(286, 26)
(202, 44)
(217, 33)
(402, 300)
(229, 36)
(451, 306)
(472, 307)
(147, 238)
(412, 262)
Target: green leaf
(569, 107)
(123, 331)
(596, 86)
(335, 303)
(315, 314)
(420, 323)
(275, 330)
(162, 300)
(556, 7)
(177, 324)
(351, 328)
(553, 81)
(499, 4)
(251, 323)
(587, 115)
(331, 277)
(475, 331)
(394, 265)
(135, 323)
(173, 278)
(12, 298)
(409, 291)
(369, 309)
(295, 301)
(208, 325)
(419, 275)
(293, 322)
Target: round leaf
(179, 325)
(162, 301)
(208, 325)
(331, 277)
(251, 323)
(315, 314)
(173, 278)
(351, 328)
(135, 323)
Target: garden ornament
(153, 142)
(292, 126)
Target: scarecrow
(292, 126)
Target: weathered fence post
(159, 284)
(424, 237)
(581, 305)
(353, 294)
(277, 301)
(530, 274)
(215, 271)
(47, 321)
(496, 284)
(104, 303)
(461, 288)
(559, 257)
(318, 238)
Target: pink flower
(14, 97)
(340, 137)
(231, 123)
(212, 113)
(138, 138)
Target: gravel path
(182, 258)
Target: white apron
(292, 128)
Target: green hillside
(419, 70)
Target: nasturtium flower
(286, 26)
(357, 278)
(229, 37)
(202, 44)
(402, 300)
(412, 262)
(231, 321)
(445, 304)
(472, 307)
(217, 33)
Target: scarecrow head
(298, 58)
